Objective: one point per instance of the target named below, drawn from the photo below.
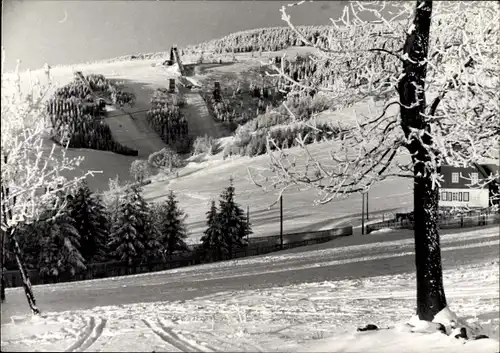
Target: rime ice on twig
(32, 172)
(462, 89)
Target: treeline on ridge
(264, 39)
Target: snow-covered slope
(314, 317)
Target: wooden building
(464, 187)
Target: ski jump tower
(175, 57)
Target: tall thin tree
(171, 225)
(232, 220)
(212, 239)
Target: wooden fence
(256, 246)
(480, 219)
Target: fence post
(248, 227)
(367, 210)
(281, 221)
(362, 214)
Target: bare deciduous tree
(32, 167)
(438, 63)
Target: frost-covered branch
(364, 62)
(33, 169)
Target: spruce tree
(134, 236)
(212, 239)
(170, 223)
(59, 242)
(92, 224)
(234, 225)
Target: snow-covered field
(316, 316)
(313, 317)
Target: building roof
(487, 169)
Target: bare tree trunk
(28, 290)
(10, 237)
(430, 292)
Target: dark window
(454, 196)
(466, 196)
(443, 196)
(460, 196)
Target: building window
(454, 196)
(454, 178)
(443, 196)
(466, 196)
(460, 196)
(448, 197)
(474, 178)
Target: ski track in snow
(170, 337)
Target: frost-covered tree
(232, 220)
(134, 236)
(140, 169)
(212, 238)
(32, 167)
(91, 222)
(438, 63)
(59, 242)
(112, 198)
(166, 159)
(170, 222)
(125, 243)
(201, 58)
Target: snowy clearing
(306, 317)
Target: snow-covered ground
(306, 317)
(315, 316)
